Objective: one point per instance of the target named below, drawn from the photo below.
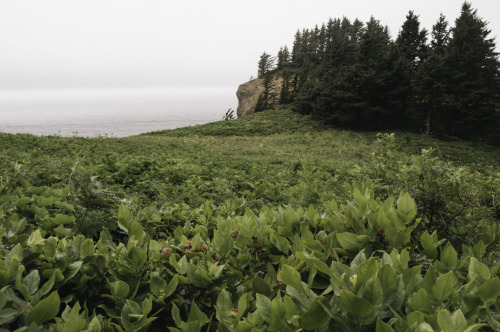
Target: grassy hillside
(273, 211)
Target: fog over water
(112, 112)
(83, 67)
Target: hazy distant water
(118, 113)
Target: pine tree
(473, 66)
(283, 58)
(409, 51)
(411, 41)
(265, 72)
(433, 79)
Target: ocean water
(111, 112)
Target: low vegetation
(272, 222)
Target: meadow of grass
(199, 194)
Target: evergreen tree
(432, 81)
(265, 71)
(297, 56)
(375, 70)
(283, 58)
(266, 64)
(408, 54)
(411, 41)
(473, 66)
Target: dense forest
(353, 74)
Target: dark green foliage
(354, 75)
(268, 97)
(357, 262)
(297, 226)
(433, 79)
(473, 69)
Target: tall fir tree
(409, 51)
(265, 71)
(432, 78)
(473, 66)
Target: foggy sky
(122, 43)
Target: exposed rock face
(248, 94)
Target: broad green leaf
(475, 327)
(424, 327)
(46, 309)
(388, 279)
(196, 241)
(412, 278)
(198, 276)
(289, 307)
(75, 322)
(366, 271)
(243, 304)
(87, 248)
(383, 327)
(355, 305)
(224, 305)
(489, 291)
(321, 266)
(35, 238)
(137, 257)
(449, 258)
(49, 248)
(264, 307)
(349, 241)
(172, 286)
(135, 230)
(459, 321)
(259, 285)
(429, 279)
(278, 313)
(147, 305)
(62, 219)
(315, 317)
(416, 318)
(444, 286)
(120, 289)
(106, 239)
(223, 245)
(372, 292)
(445, 322)
(420, 301)
(407, 209)
(157, 284)
(124, 218)
(94, 325)
(196, 315)
(291, 277)
(8, 315)
(73, 269)
(44, 289)
(176, 315)
(31, 282)
(478, 270)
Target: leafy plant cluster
(349, 267)
(320, 230)
(353, 74)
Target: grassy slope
(284, 122)
(269, 137)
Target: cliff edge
(248, 94)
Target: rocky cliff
(248, 94)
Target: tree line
(353, 74)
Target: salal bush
(359, 265)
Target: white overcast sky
(48, 44)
